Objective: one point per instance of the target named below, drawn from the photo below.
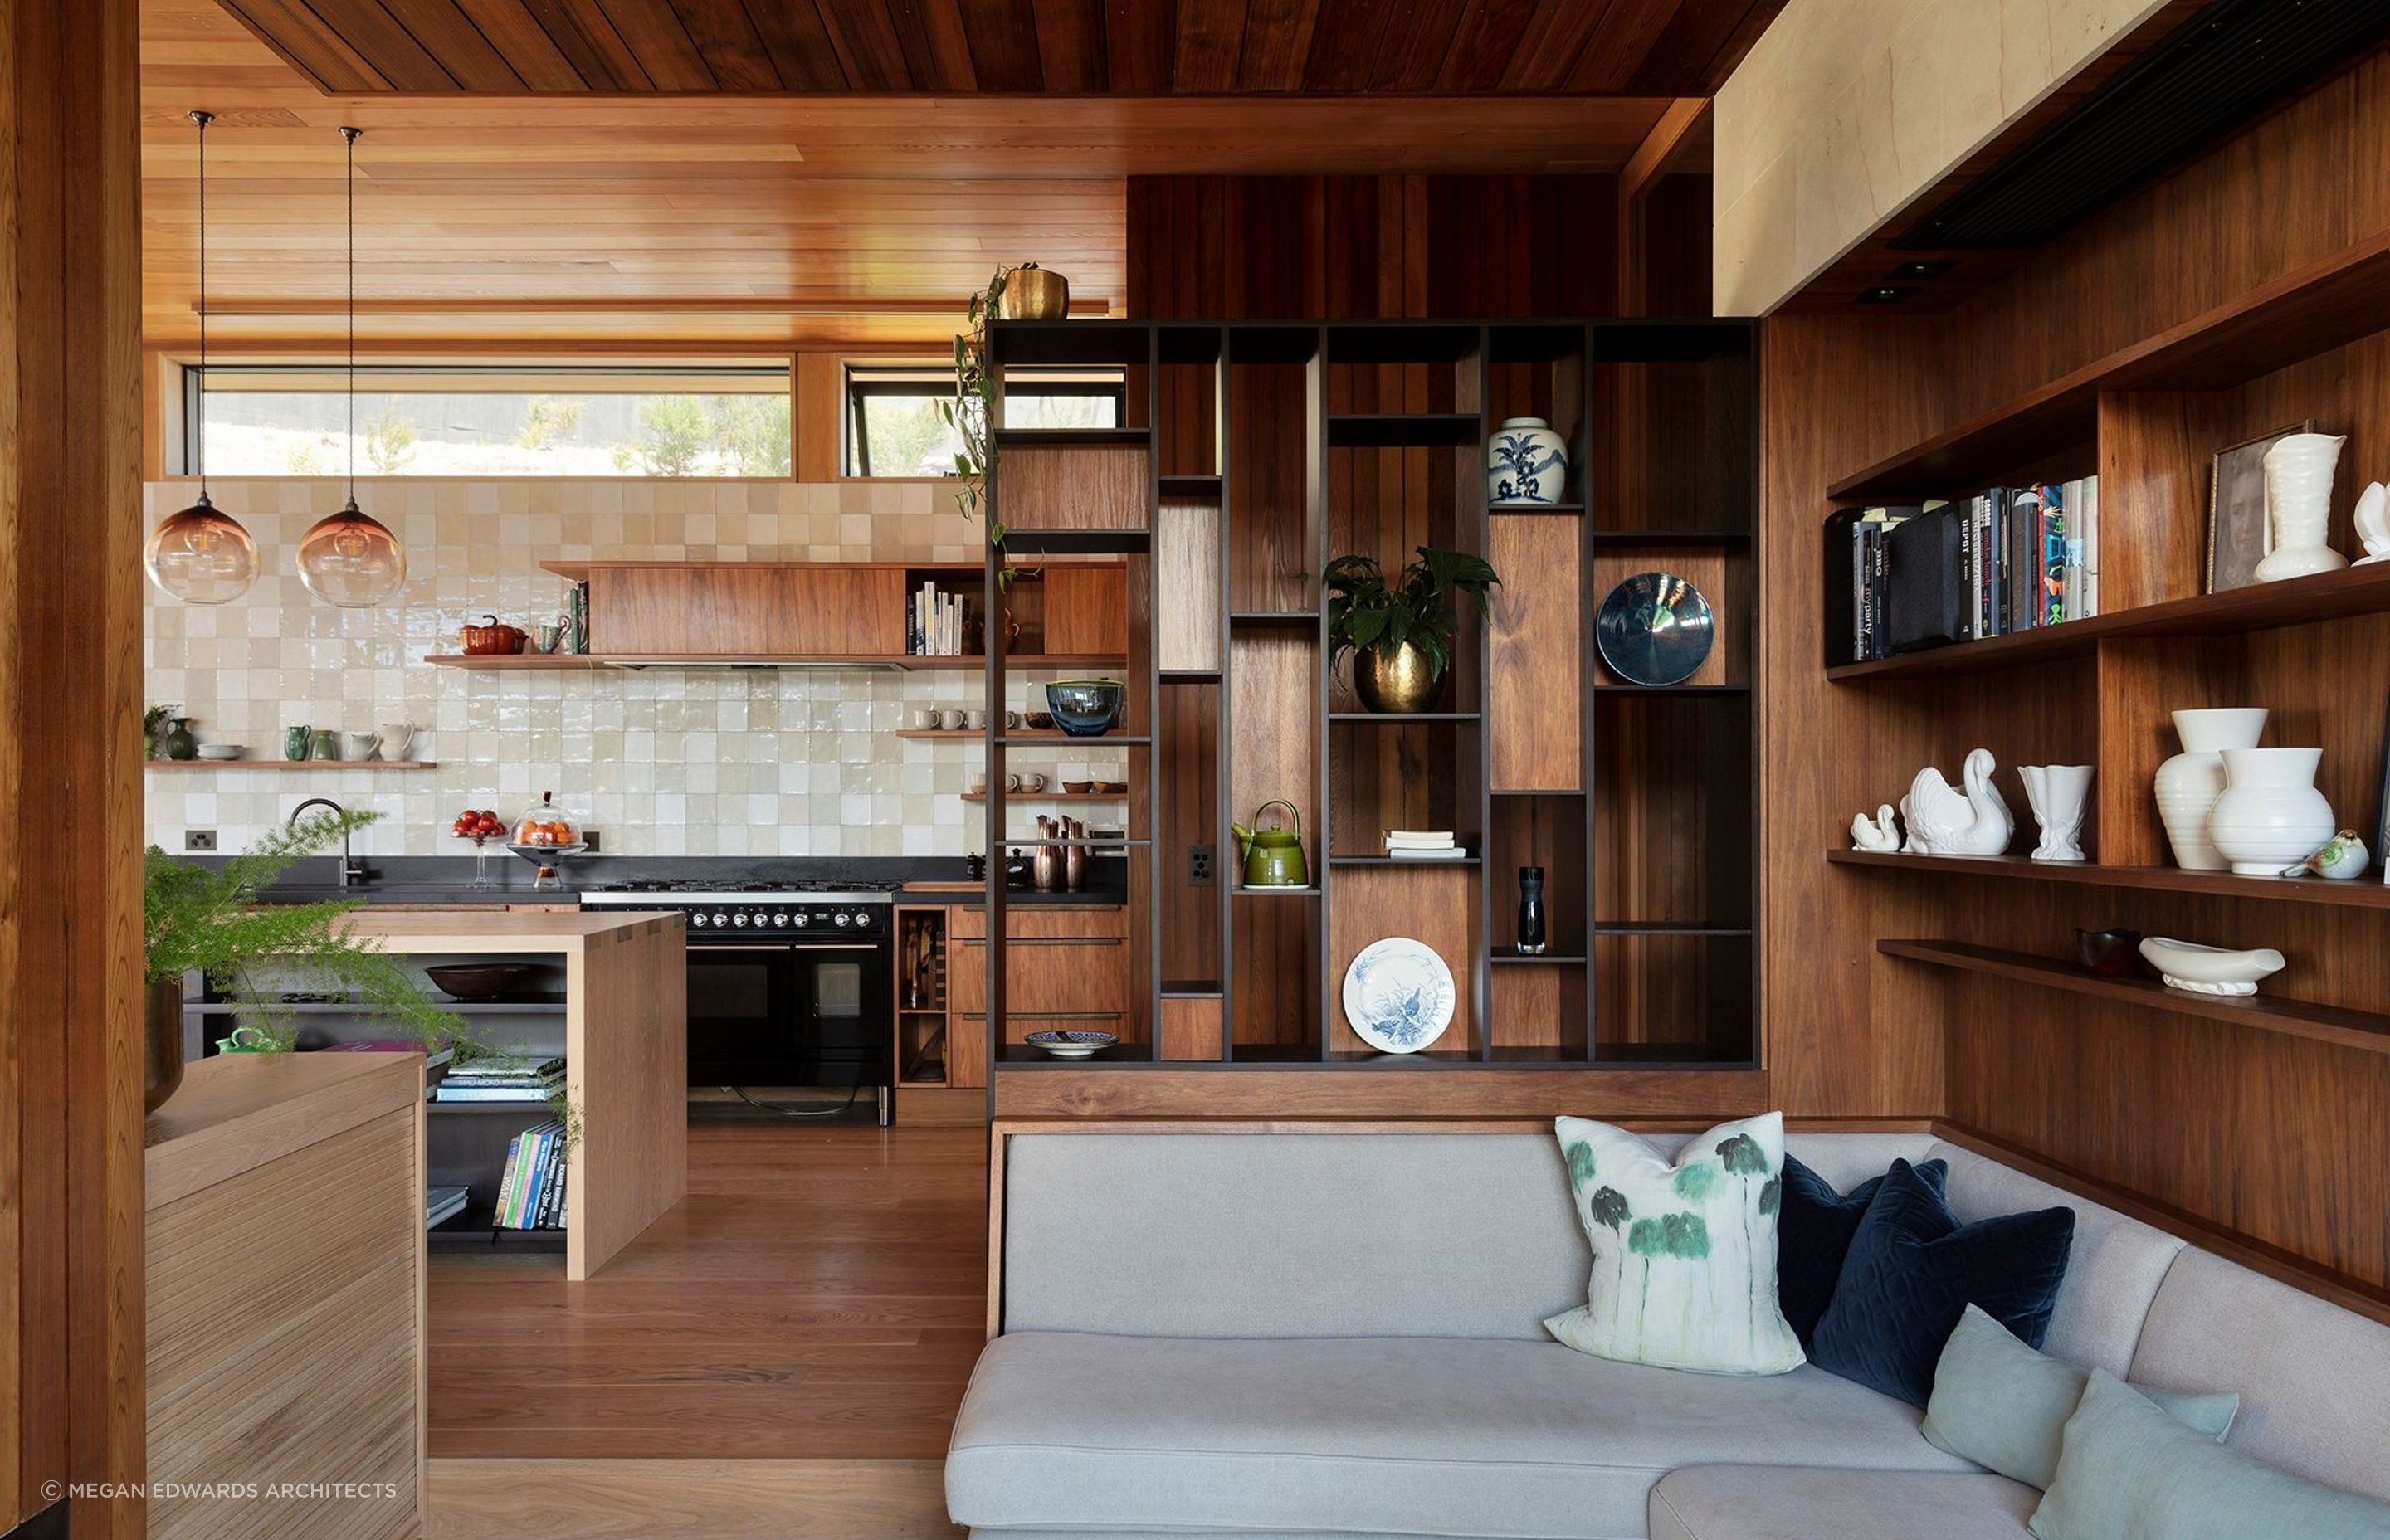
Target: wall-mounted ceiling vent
(2227, 65)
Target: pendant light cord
(200, 422)
(351, 136)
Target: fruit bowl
(1085, 708)
(544, 830)
(477, 981)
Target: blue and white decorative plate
(1398, 994)
(1071, 1044)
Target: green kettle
(1273, 856)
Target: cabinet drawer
(1039, 921)
(1018, 1025)
(1043, 973)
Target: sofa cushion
(1370, 1436)
(2113, 1269)
(1813, 1235)
(2314, 1379)
(1684, 1255)
(1913, 1268)
(2131, 1472)
(1765, 1502)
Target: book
(1442, 853)
(443, 1203)
(501, 1067)
(1414, 839)
(1923, 575)
(508, 1176)
(527, 1095)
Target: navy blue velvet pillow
(1814, 1227)
(1913, 1269)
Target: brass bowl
(1033, 294)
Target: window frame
(860, 380)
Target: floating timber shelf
(2357, 894)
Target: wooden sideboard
(285, 1283)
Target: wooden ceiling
(1138, 48)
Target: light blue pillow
(2002, 1405)
(2131, 1472)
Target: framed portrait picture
(2237, 536)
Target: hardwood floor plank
(687, 1499)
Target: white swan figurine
(1880, 834)
(1943, 822)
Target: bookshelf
(1268, 449)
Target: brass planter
(1397, 682)
(1033, 294)
(162, 1039)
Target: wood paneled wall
(2285, 1142)
(70, 1238)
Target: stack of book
(443, 1203)
(500, 1079)
(1420, 844)
(936, 624)
(2005, 560)
(530, 1191)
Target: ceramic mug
(1033, 783)
(979, 785)
(1012, 783)
(544, 635)
(975, 721)
(951, 721)
(296, 742)
(396, 738)
(243, 1040)
(923, 718)
(327, 745)
(1012, 719)
(362, 745)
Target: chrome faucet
(353, 873)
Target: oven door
(789, 1013)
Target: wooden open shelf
(292, 764)
(2358, 893)
(2321, 306)
(1051, 796)
(2348, 1029)
(2260, 607)
(910, 663)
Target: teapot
(1273, 856)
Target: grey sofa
(1294, 1336)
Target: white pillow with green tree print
(1684, 1255)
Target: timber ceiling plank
(582, 32)
(1619, 46)
(724, 36)
(1211, 39)
(450, 36)
(940, 43)
(1140, 37)
(1550, 43)
(526, 46)
(1702, 43)
(798, 43)
(1416, 44)
(653, 33)
(1345, 44)
(378, 35)
(1483, 48)
(315, 50)
(1071, 56)
(1003, 45)
(1277, 45)
(865, 36)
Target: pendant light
(200, 555)
(350, 560)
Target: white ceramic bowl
(220, 750)
(2210, 969)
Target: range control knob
(863, 920)
(842, 919)
(739, 919)
(779, 919)
(699, 920)
(804, 919)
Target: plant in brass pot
(972, 413)
(1400, 631)
(207, 919)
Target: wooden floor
(687, 1499)
(820, 1297)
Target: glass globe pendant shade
(351, 560)
(200, 555)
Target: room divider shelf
(2348, 1029)
(2359, 894)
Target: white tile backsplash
(663, 763)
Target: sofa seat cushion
(1432, 1436)
(1765, 1502)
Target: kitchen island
(626, 1051)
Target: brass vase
(1033, 294)
(162, 1038)
(1397, 681)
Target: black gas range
(790, 984)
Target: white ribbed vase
(2270, 817)
(2189, 784)
(2298, 506)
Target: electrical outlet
(202, 841)
(1199, 865)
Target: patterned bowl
(1072, 1044)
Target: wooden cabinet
(1086, 609)
(1063, 969)
(733, 609)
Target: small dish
(1072, 1044)
(1113, 788)
(477, 981)
(1078, 789)
(2187, 965)
(220, 750)
(1040, 720)
(2109, 953)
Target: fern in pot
(1400, 630)
(207, 920)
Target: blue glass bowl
(1086, 707)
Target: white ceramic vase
(1526, 464)
(2057, 793)
(2298, 506)
(2189, 784)
(2270, 817)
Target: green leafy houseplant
(971, 412)
(1368, 613)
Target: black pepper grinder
(1532, 937)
